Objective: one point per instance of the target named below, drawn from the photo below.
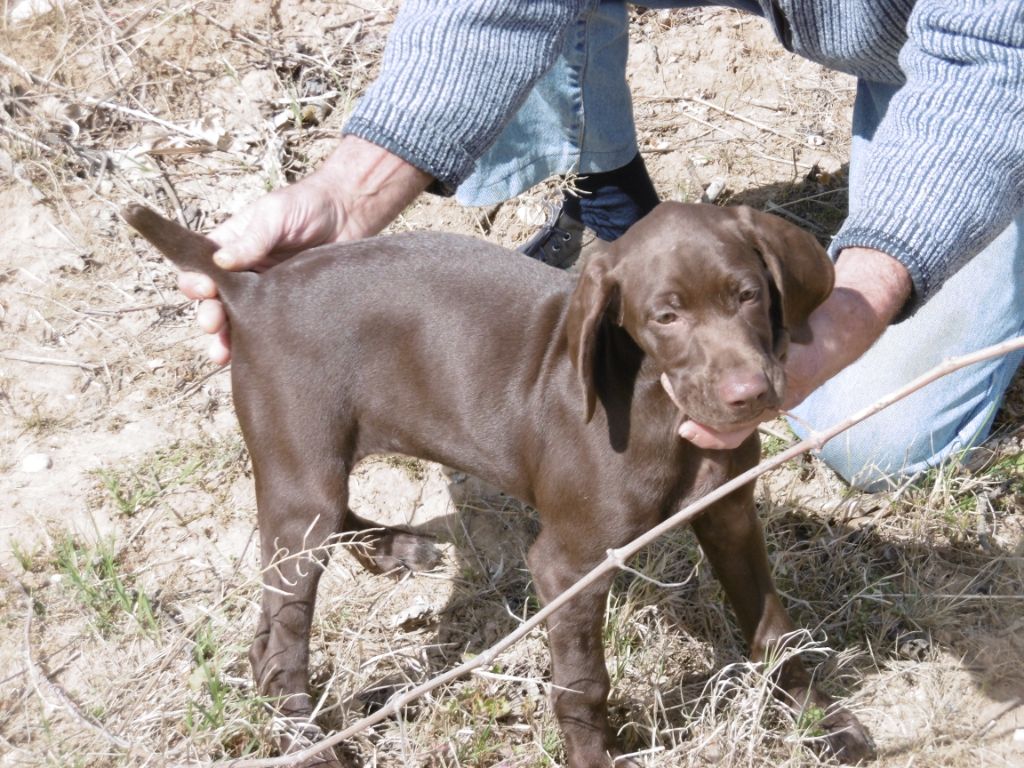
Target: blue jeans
(579, 118)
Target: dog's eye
(666, 317)
(748, 295)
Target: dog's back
(388, 345)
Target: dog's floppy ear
(596, 291)
(799, 267)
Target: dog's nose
(739, 389)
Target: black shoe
(558, 242)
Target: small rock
(1018, 736)
(36, 462)
(29, 9)
(415, 616)
(714, 189)
(914, 646)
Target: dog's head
(713, 296)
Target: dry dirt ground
(127, 540)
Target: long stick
(617, 557)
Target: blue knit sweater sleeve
(945, 173)
(454, 72)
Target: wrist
(870, 290)
(369, 186)
(880, 284)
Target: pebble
(413, 617)
(714, 189)
(36, 462)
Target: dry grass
(131, 576)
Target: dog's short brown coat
(450, 349)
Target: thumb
(713, 439)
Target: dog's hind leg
(302, 498)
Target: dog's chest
(706, 471)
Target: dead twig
(742, 119)
(20, 136)
(727, 113)
(778, 210)
(617, 558)
(41, 680)
(194, 387)
(118, 311)
(36, 360)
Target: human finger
(211, 317)
(219, 350)
(712, 439)
(249, 237)
(196, 285)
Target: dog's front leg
(578, 673)
(732, 538)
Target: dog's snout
(742, 388)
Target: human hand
(871, 288)
(357, 191)
(265, 233)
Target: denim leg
(981, 304)
(578, 117)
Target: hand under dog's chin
(715, 438)
(712, 430)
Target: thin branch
(727, 113)
(20, 136)
(617, 557)
(46, 688)
(742, 119)
(36, 360)
(778, 210)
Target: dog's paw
(843, 737)
(395, 552)
(295, 734)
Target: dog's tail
(188, 250)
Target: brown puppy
(453, 350)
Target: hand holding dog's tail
(188, 250)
